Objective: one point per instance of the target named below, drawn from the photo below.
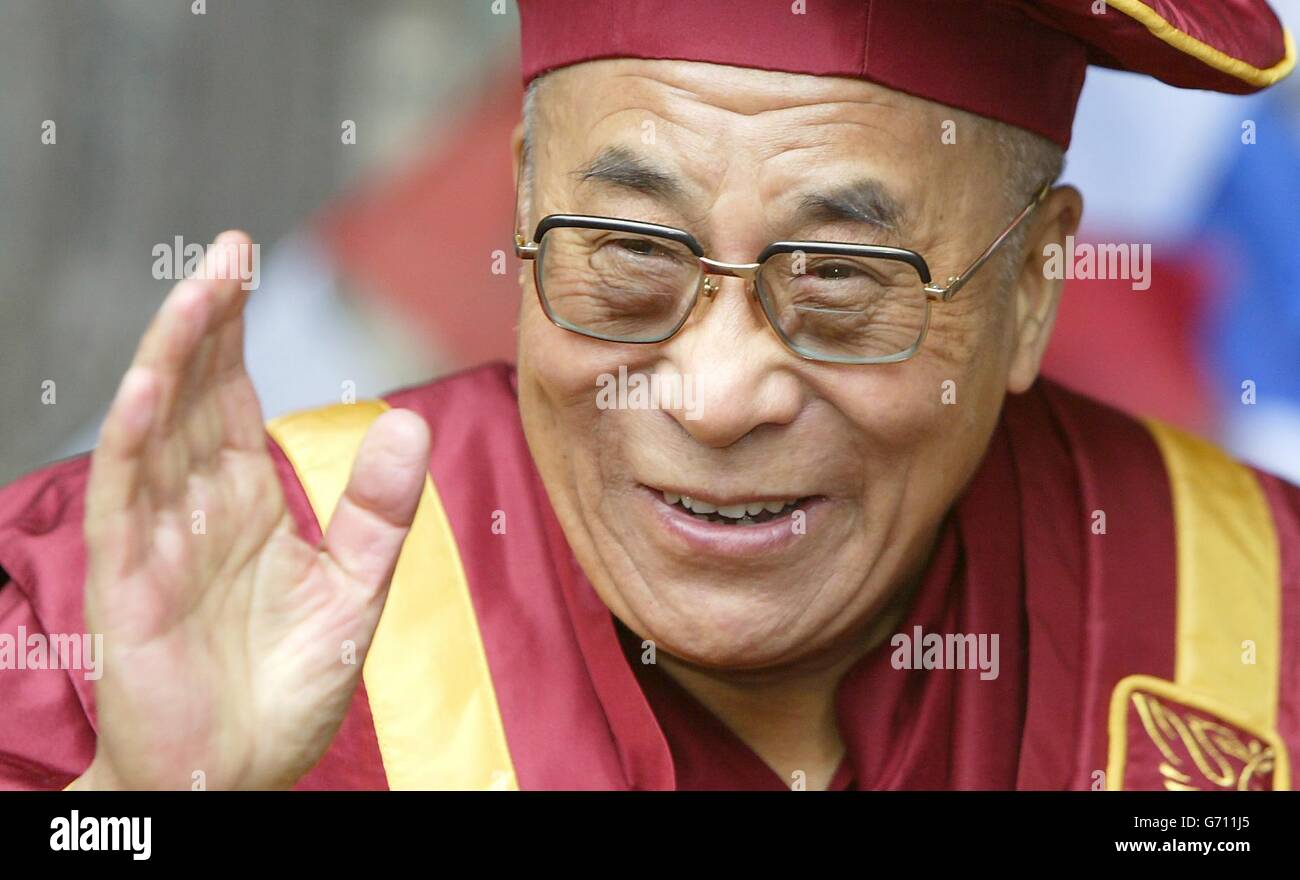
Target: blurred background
(127, 123)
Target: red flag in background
(1137, 349)
(426, 238)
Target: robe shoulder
(1152, 554)
(1083, 425)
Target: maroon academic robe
(1087, 618)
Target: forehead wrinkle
(643, 107)
(698, 138)
(808, 114)
(827, 115)
(804, 126)
(749, 92)
(690, 143)
(673, 88)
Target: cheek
(564, 366)
(969, 338)
(897, 407)
(573, 441)
(921, 419)
(951, 390)
(555, 391)
(545, 358)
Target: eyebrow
(863, 201)
(620, 167)
(866, 201)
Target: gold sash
(427, 678)
(1228, 622)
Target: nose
(742, 373)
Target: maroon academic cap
(1017, 61)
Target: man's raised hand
(224, 646)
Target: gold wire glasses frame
(710, 269)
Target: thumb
(372, 518)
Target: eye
(834, 272)
(846, 272)
(639, 246)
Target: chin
(728, 622)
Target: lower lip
(738, 541)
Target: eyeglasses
(631, 282)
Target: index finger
(193, 310)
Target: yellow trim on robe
(426, 676)
(1205, 53)
(1229, 601)
(1229, 579)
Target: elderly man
(862, 545)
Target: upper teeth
(731, 511)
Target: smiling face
(855, 466)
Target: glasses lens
(844, 308)
(616, 285)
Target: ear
(516, 148)
(1037, 296)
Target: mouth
(739, 513)
(735, 527)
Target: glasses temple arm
(956, 282)
(524, 249)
